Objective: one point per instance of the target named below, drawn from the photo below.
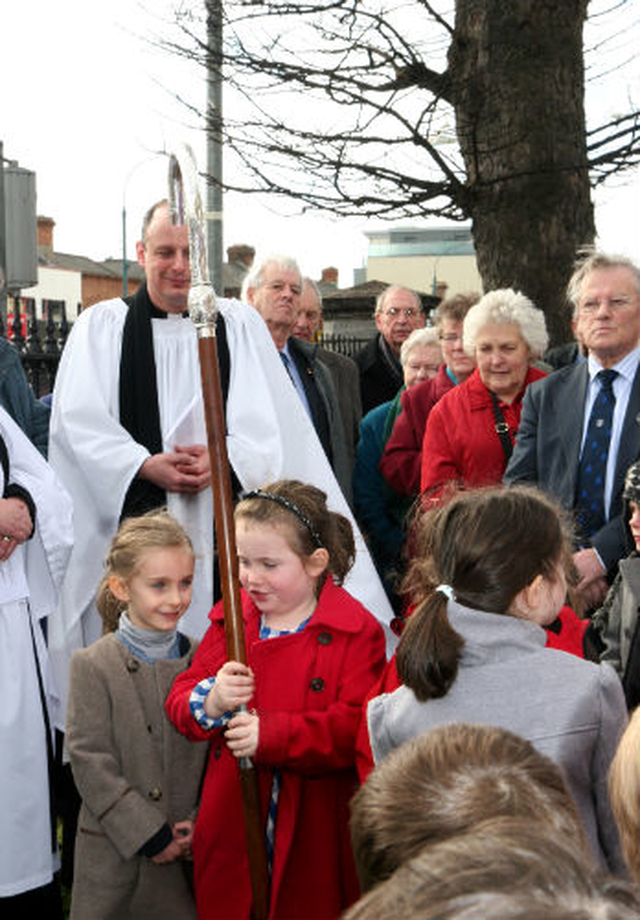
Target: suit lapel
(570, 414)
(629, 448)
(318, 413)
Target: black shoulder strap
(502, 429)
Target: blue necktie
(593, 462)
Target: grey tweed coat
(135, 773)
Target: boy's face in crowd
(634, 523)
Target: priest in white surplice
(128, 431)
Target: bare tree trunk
(518, 90)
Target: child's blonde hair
(302, 509)
(624, 789)
(136, 536)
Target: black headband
(285, 503)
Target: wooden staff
(186, 205)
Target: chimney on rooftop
(45, 233)
(330, 276)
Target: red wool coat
(400, 463)
(460, 442)
(310, 687)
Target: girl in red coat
(313, 654)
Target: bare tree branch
(397, 108)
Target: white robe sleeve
(270, 437)
(46, 554)
(40, 562)
(96, 459)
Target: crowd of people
(438, 558)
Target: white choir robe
(269, 437)
(29, 584)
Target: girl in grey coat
(138, 778)
(474, 649)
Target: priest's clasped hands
(185, 469)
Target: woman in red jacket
(313, 654)
(471, 430)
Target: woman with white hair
(471, 430)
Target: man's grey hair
(507, 306)
(310, 283)
(382, 297)
(255, 277)
(590, 261)
(419, 338)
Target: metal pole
(3, 243)
(186, 204)
(214, 143)
(125, 268)
(125, 186)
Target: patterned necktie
(593, 462)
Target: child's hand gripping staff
(232, 691)
(186, 203)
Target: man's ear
(141, 253)
(118, 588)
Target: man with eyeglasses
(398, 312)
(402, 457)
(579, 430)
(274, 288)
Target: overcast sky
(83, 102)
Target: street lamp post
(125, 185)
(125, 267)
(3, 248)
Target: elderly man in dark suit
(343, 370)
(273, 287)
(398, 312)
(579, 430)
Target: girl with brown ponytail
(489, 572)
